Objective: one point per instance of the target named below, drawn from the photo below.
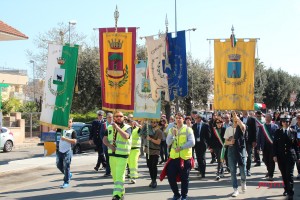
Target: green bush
(86, 118)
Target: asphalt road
(43, 182)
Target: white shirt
(65, 146)
(229, 132)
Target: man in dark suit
(95, 137)
(250, 123)
(265, 140)
(202, 136)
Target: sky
(275, 22)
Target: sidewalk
(29, 142)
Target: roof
(9, 33)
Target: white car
(6, 139)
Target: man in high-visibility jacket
(117, 138)
(181, 138)
(134, 152)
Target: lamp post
(71, 22)
(33, 65)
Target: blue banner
(177, 67)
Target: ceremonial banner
(59, 85)
(234, 75)
(158, 79)
(144, 107)
(117, 56)
(176, 68)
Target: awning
(9, 33)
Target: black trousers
(200, 150)
(217, 152)
(174, 169)
(249, 150)
(256, 155)
(286, 167)
(101, 158)
(163, 151)
(152, 166)
(268, 159)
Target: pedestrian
(64, 153)
(251, 136)
(181, 139)
(163, 145)
(188, 121)
(134, 152)
(296, 127)
(96, 139)
(212, 123)
(152, 149)
(235, 140)
(117, 138)
(202, 136)
(216, 143)
(286, 153)
(109, 120)
(259, 120)
(265, 140)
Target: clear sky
(275, 22)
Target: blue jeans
(233, 162)
(63, 162)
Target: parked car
(83, 131)
(6, 139)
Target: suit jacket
(214, 141)
(261, 138)
(285, 145)
(205, 133)
(251, 130)
(95, 133)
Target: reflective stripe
(132, 169)
(118, 189)
(124, 150)
(119, 183)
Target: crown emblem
(234, 57)
(60, 60)
(115, 44)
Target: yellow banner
(234, 75)
(117, 70)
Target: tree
(260, 81)
(88, 97)
(11, 105)
(200, 78)
(56, 35)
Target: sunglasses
(284, 122)
(219, 122)
(118, 116)
(100, 115)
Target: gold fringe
(53, 125)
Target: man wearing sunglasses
(118, 139)
(286, 153)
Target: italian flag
(59, 85)
(259, 106)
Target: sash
(265, 131)
(218, 135)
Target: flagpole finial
(116, 15)
(166, 23)
(232, 29)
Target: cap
(285, 118)
(100, 112)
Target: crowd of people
(181, 143)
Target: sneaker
(183, 198)
(244, 187)
(70, 176)
(235, 192)
(248, 173)
(133, 181)
(65, 185)
(176, 197)
(298, 177)
(154, 184)
(218, 178)
(96, 168)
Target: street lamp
(33, 64)
(71, 22)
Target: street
(38, 178)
